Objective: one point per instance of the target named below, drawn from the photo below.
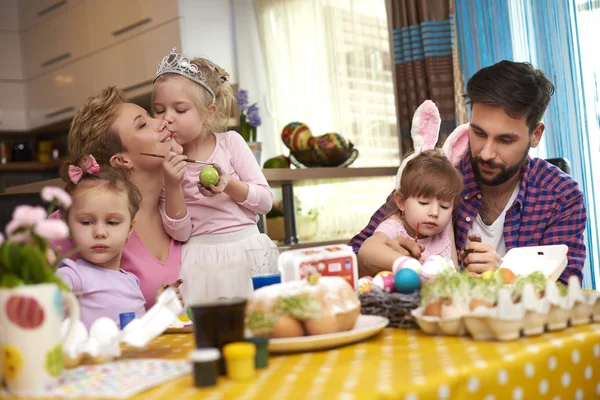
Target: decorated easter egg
(328, 147)
(433, 265)
(24, 311)
(297, 136)
(407, 281)
(12, 361)
(406, 262)
(209, 176)
(384, 281)
(365, 284)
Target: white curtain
(328, 65)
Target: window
(329, 65)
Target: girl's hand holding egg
(212, 181)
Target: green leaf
(11, 257)
(35, 266)
(10, 281)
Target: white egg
(105, 331)
(434, 265)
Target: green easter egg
(209, 176)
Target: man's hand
(406, 247)
(479, 257)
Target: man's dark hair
(520, 89)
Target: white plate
(366, 326)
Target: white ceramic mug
(30, 341)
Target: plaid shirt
(549, 209)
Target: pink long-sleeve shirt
(221, 214)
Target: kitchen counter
(29, 166)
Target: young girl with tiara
(218, 223)
(428, 189)
(100, 221)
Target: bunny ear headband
(424, 132)
(88, 166)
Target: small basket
(396, 307)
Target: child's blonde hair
(218, 80)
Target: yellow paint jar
(239, 357)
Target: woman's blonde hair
(218, 80)
(91, 130)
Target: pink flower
(25, 216)
(52, 229)
(53, 193)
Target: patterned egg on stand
(297, 136)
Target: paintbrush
(188, 160)
(417, 234)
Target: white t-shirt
(494, 234)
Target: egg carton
(532, 315)
(103, 342)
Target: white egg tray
(529, 317)
(103, 343)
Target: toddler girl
(218, 222)
(430, 189)
(100, 220)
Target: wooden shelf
(275, 176)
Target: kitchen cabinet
(34, 12)
(12, 107)
(131, 65)
(55, 96)
(56, 42)
(74, 48)
(114, 21)
(10, 48)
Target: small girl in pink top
(100, 221)
(428, 188)
(217, 224)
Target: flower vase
(31, 355)
(256, 148)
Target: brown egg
(433, 309)
(479, 303)
(327, 323)
(286, 327)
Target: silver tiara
(177, 63)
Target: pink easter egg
(384, 282)
(406, 262)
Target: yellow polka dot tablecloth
(408, 365)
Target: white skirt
(221, 265)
